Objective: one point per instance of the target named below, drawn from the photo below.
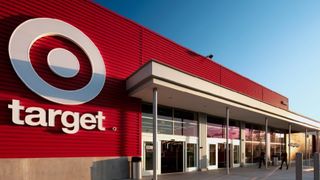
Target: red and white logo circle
(61, 61)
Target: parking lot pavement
(247, 173)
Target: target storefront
(83, 88)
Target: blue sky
(275, 43)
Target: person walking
(262, 159)
(284, 159)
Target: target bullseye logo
(61, 61)
(67, 69)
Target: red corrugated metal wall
(240, 84)
(119, 43)
(125, 46)
(163, 50)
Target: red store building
(78, 89)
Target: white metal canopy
(182, 90)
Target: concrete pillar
(316, 166)
(299, 158)
(317, 141)
(231, 157)
(289, 145)
(267, 143)
(203, 156)
(242, 144)
(227, 139)
(305, 145)
(155, 132)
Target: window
(257, 148)
(277, 142)
(191, 155)
(249, 158)
(170, 121)
(255, 142)
(234, 129)
(185, 123)
(148, 149)
(236, 154)
(147, 118)
(248, 133)
(212, 154)
(215, 127)
(165, 124)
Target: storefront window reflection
(255, 142)
(257, 148)
(185, 123)
(249, 157)
(216, 128)
(170, 121)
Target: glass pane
(257, 149)
(236, 154)
(190, 127)
(212, 154)
(165, 113)
(275, 150)
(147, 124)
(234, 129)
(215, 130)
(262, 136)
(215, 127)
(255, 135)
(148, 149)
(222, 155)
(165, 127)
(182, 114)
(281, 139)
(191, 155)
(234, 132)
(276, 137)
(248, 132)
(178, 128)
(146, 108)
(248, 152)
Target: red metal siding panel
(275, 99)
(119, 43)
(240, 84)
(168, 52)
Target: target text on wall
(71, 121)
(64, 64)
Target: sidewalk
(247, 173)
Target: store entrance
(217, 153)
(171, 156)
(222, 150)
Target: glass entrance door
(222, 155)
(148, 151)
(212, 156)
(171, 156)
(236, 155)
(217, 153)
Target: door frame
(148, 137)
(217, 141)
